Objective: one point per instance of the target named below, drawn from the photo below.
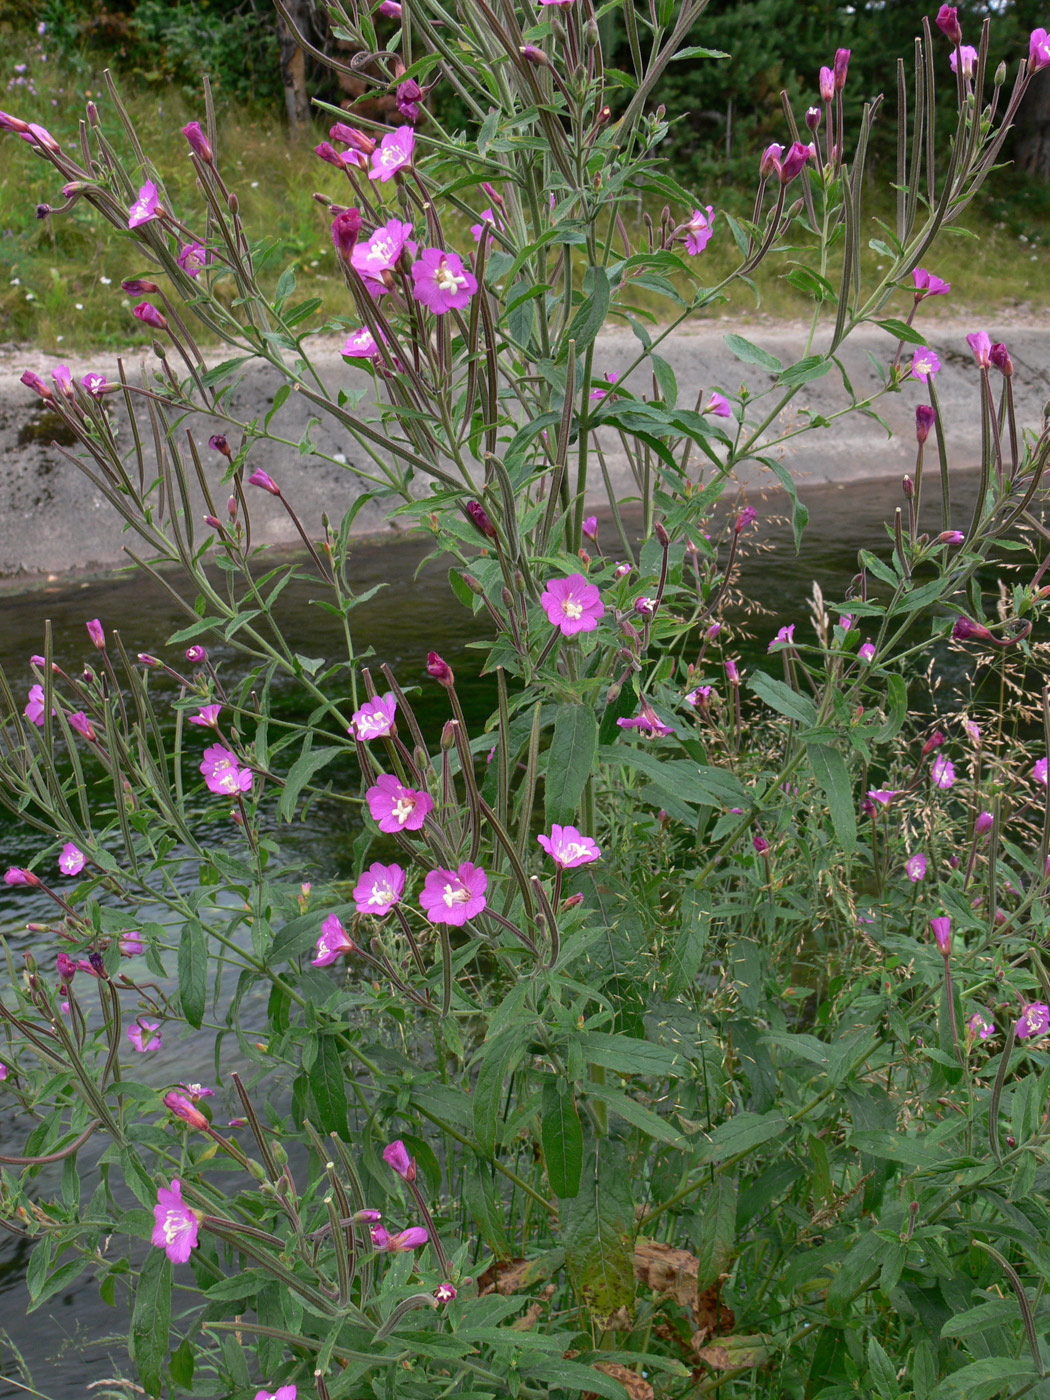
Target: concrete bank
(53, 522)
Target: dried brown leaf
(734, 1353)
(635, 1385)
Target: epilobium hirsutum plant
(680, 1029)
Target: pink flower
(647, 722)
(375, 719)
(146, 207)
(1039, 771)
(264, 481)
(983, 824)
(198, 141)
(34, 710)
(785, 637)
(223, 773)
(928, 284)
(345, 227)
(487, 216)
(396, 1156)
(1000, 358)
(441, 281)
(408, 98)
(968, 54)
(94, 383)
(207, 717)
(192, 258)
(567, 848)
(142, 1036)
(17, 876)
(883, 795)
(379, 889)
(771, 156)
(176, 1225)
(382, 250)
(3, 1071)
(841, 68)
(454, 896)
(645, 606)
(445, 1292)
(390, 9)
(361, 345)
(1038, 50)
(95, 632)
(80, 724)
(590, 526)
(130, 944)
(148, 314)
(72, 860)
(924, 364)
(393, 152)
(980, 1026)
(942, 772)
(572, 605)
(699, 697)
(948, 23)
(182, 1108)
(283, 1392)
(941, 928)
(563, 3)
(612, 377)
(1035, 1020)
(718, 407)
(698, 231)
(413, 1238)
(950, 537)
(916, 868)
(746, 517)
(395, 807)
(333, 943)
(981, 345)
(796, 158)
(198, 1091)
(971, 730)
(826, 83)
(60, 374)
(866, 652)
(966, 630)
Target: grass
(60, 277)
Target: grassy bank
(60, 276)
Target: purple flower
(146, 207)
(408, 98)
(487, 216)
(866, 651)
(916, 868)
(826, 83)
(396, 1156)
(698, 231)
(192, 258)
(176, 1225)
(454, 896)
(393, 152)
(413, 1238)
(1000, 358)
(345, 227)
(93, 383)
(182, 1108)
(391, 9)
(445, 1292)
(1035, 1020)
(941, 928)
(395, 807)
(760, 844)
(264, 481)
(928, 284)
(442, 283)
(198, 1091)
(968, 54)
(80, 724)
(981, 345)
(1038, 50)
(645, 606)
(196, 655)
(130, 943)
(1040, 770)
(379, 889)
(948, 23)
(283, 1392)
(222, 771)
(942, 772)
(924, 365)
(924, 421)
(572, 604)
(382, 250)
(207, 717)
(882, 795)
(841, 68)
(142, 1036)
(610, 377)
(16, 875)
(699, 697)
(746, 517)
(34, 710)
(785, 637)
(361, 345)
(3, 1076)
(375, 719)
(647, 722)
(148, 314)
(198, 141)
(567, 848)
(980, 1027)
(796, 158)
(60, 374)
(72, 860)
(333, 942)
(590, 527)
(966, 630)
(718, 407)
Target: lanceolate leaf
(598, 1229)
(193, 971)
(151, 1320)
(569, 761)
(562, 1138)
(328, 1086)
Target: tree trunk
(1032, 143)
(293, 68)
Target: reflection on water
(64, 1343)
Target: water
(65, 1342)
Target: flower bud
(744, 519)
(983, 824)
(948, 23)
(448, 736)
(1000, 75)
(661, 534)
(345, 228)
(812, 118)
(66, 967)
(934, 742)
(826, 83)
(440, 671)
(841, 68)
(396, 1156)
(908, 487)
(481, 521)
(1000, 358)
(196, 655)
(532, 54)
(264, 481)
(770, 161)
(184, 1109)
(924, 421)
(966, 630)
(146, 660)
(218, 443)
(34, 382)
(148, 314)
(792, 164)
(941, 928)
(950, 537)
(198, 142)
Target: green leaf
(830, 771)
(812, 367)
(573, 1375)
(896, 708)
(740, 1133)
(799, 512)
(717, 1230)
(859, 1262)
(562, 1138)
(753, 354)
(901, 331)
(570, 760)
(590, 318)
(635, 1113)
(499, 1059)
(151, 1320)
(780, 697)
(180, 1364)
(193, 971)
(57, 1281)
(988, 1379)
(626, 1054)
(598, 1233)
(666, 381)
(696, 51)
(306, 766)
(328, 1087)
